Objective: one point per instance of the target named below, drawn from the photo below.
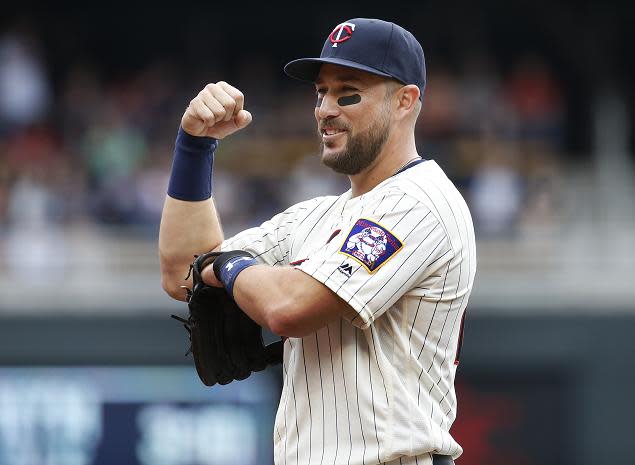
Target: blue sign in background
(133, 416)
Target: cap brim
(307, 69)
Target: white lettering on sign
(211, 435)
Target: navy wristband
(191, 177)
(228, 265)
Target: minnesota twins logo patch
(370, 244)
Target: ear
(407, 97)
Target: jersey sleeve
(394, 245)
(269, 243)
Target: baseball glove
(226, 344)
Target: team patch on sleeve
(370, 244)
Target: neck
(397, 152)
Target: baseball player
(369, 287)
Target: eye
(320, 91)
(349, 89)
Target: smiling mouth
(332, 131)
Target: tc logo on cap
(346, 28)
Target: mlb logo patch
(370, 244)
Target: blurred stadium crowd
(96, 149)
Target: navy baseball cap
(370, 45)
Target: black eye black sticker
(342, 101)
(349, 100)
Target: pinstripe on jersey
(378, 385)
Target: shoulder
(433, 191)
(428, 184)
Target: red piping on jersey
(460, 343)
(333, 234)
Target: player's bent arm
(187, 228)
(191, 226)
(285, 300)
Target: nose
(328, 109)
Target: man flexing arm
(371, 285)
(282, 299)
(189, 223)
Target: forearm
(187, 229)
(286, 300)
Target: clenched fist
(217, 111)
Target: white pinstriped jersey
(377, 386)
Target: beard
(361, 150)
